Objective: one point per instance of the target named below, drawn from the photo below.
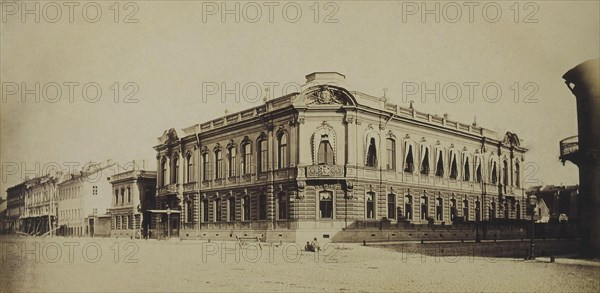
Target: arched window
(246, 216)
(218, 210)
(231, 162)
(262, 207)
(122, 196)
(263, 156)
(409, 163)
(218, 164)
(282, 151)
(439, 169)
(453, 210)
(165, 181)
(467, 172)
(246, 158)
(425, 162)
(372, 153)
(116, 196)
(370, 205)
(477, 210)
(189, 168)
(517, 175)
(205, 167)
(390, 146)
(424, 207)
(326, 205)
(391, 206)
(439, 209)
(408, 207)
(282, 206)
(466, 210)
(479, 174)
(325, 152)
(175, 170)
(494, 173)
(128, 194)
(231, 209)
(453, 168)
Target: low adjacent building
(40, 201)
(15, 208)
(133, 194)
(83, 195)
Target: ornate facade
(313, 163)
(133, 192)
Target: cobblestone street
(80, 264)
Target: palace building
(313, 163)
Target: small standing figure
(315, 245)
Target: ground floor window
(262, 207)
(246, 208)
(326, 204)
(439, 209)
(282, 206)
(391, 209)
(466, 210)
(205, 210)
(218, 211)
(424, 207)
(453, 209)
(231, 209)
(370, 205)
(408, 207)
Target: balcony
(324, 171)
(168, 189)
(569, 149)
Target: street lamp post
(168, 222)
(532, 204)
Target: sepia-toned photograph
(299, 146)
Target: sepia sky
(172, 53)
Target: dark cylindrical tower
(584, 83)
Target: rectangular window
(231, 163)
(326, 205)
(262, 207)
(263, 156)
(391, 154)
(205, 167)
(246, 160)
(205, 210)
(391, 206)
(370, 213)
(231, 209)
(247, 208)
(282, 206)
(218, 165)
(218, 210)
